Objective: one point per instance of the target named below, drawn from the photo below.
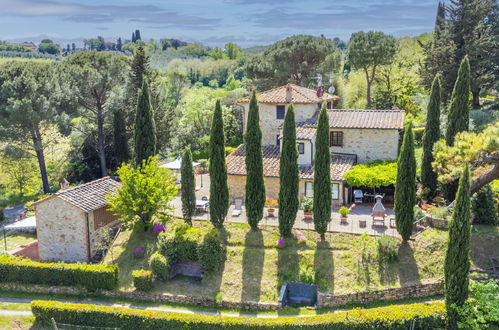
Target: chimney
(289, 91)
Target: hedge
(142, 279)
(420, 316)
(91, 277)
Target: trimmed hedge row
(91, 277)
(422, 316)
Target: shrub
(344, 211)
(388, 248)
(159, 266)
(307, 274)
(417, 316)
(418, 213)
(484, 207)
(91, 277)
(440, 212)
(211, 251)
(142, 279)
(307, 204)
(180, 244)
(482, 310)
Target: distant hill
(255, 50)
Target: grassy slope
(16, 239)
(251, 269)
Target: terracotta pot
(270, 212)
(308, 215)
(343, 220)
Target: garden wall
(437, 222)
(413, 291)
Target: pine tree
(459, 116)
(120, 145)
(457, 262)
(288, 175)
(431, 135)
(219, 190)
(255, 187)
(188, 187)
(139, 66)
(405, 187)
(145, 128)
(322, 174)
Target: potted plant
(271, 204)
(308, 205)
(344, 214)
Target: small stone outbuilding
(71, 222)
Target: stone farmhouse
(356, 136)
(71, 222)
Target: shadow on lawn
(324, 267)
(407, 267)
(253, 259)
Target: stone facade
(62, 231)
(270, 125)
(369, 144)
(413, 291)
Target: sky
(211, 22)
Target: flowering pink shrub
(158, 229)
(280, 243)
(138, 252)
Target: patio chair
(238, 203)
(358, 196)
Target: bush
(159, 266)
(91, 277)
(484, 207)
(388, 248)
(482, 310)
(307, 204)
(418, 135)
(344, 211)
(142, 279)
(180, 244)
(211, 251)
(417, 316)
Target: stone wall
(437, 222)
(413, 291)
(270, 124)
(62, 231)
(369, 144)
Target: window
(330, 105)
(336, 139)
(279, 111)
(335, 191)
(277, 140)
(309, 189)
(301, 148)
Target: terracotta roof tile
(364, 119)
(88, 196)
(236, 164)
(299, 95)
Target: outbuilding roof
(297, 95)
(236, 164)
(89, 196)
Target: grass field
(254, 266)
(16, 240)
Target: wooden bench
(187, 268)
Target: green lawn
(18, 322)
(254, 266)
(16, 239)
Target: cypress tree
(459, 116)
(322, 174)
(120, 145)
(288, 175)
(145, 128)
(219, 190)
(457, 262)
(484, 206)
(431, 135)
(188, 187)
(255, 187)
(139, 66)
(405, 187)
(133, 37)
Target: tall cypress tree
(405, 187)
(288, 175)
(145, 128)
(431, 135)
(255, 187)
(139, 66)
(322, 174)
(188, 187)
(457, 261)
(219, 190)
(120, 145)
(459, 116)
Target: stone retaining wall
(437, 222)
(413, 291)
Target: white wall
(306, 158)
